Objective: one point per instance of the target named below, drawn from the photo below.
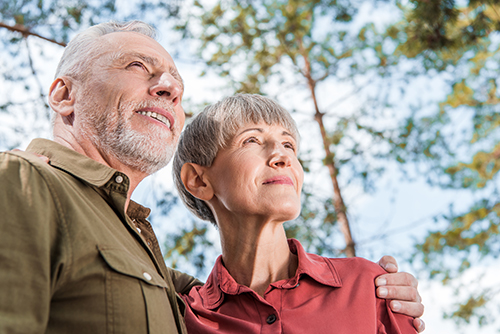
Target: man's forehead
(126, 46)
(134, 42)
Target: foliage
(460, 42)
(303, 50)
(189, 245)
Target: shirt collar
(220, 282)
(86, 169)
(137, 211)
(72, 162)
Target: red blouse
(325, 296)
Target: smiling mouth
(156, 116)
(279, 180)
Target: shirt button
(147, 276)
(119, 179)
(271, 319)
(138, 229)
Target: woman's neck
(257, 255)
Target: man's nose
(167, 87)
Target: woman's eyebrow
(286, 133)
(261, 130)
(250, 129)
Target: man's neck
(90, 151)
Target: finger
(412, 309)
(396, 279)
(389, 264)
(419, 324)
(43, 158)
(402, 293)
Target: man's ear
(62, 97)
(192, 176)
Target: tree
(301, 48)
(461, 43)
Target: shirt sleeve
(183, 282)
(28, 220)
(393, 323)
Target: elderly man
(76, 254)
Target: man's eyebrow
(152, 61)
(123, 57)
(147, 59)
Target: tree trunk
(338, 202)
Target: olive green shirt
(71, 260)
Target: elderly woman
(237, 167)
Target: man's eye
(136, 64)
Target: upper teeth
(154, 115)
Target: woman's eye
(251, 140)
(289, 145)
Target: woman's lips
(279, 180)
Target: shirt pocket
(136, 296)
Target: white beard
(113, 134)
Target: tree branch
(26, 32)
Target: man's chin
(143, 152)
(147, 162)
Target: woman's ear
(61, 96)
(192, 176)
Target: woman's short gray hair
(214, 128)
(83, 49)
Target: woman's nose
(279, 157)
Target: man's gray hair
(84, 48)
(214, 128)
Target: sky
(400, 206)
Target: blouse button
(271, 319)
